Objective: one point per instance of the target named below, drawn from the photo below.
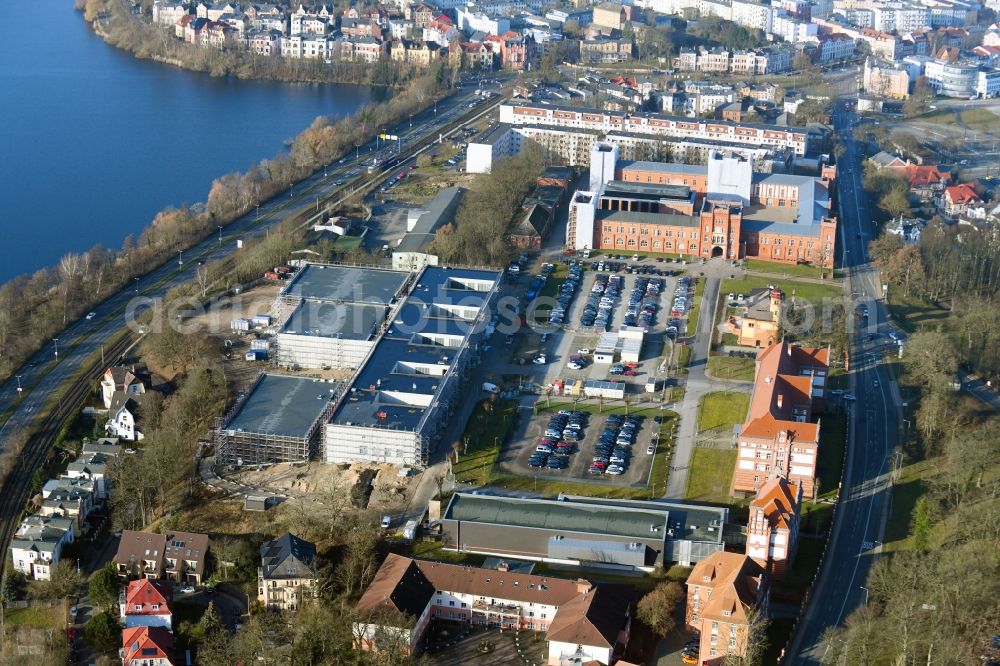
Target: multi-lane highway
(859, 522)
(60, 358)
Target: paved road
(860, 518)
(696, 384)
(55, 364)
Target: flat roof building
(329, 315)
(278, 419)
(631, 534)
(398, 401)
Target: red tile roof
(735, 581)
(778, 499)
(144, 594)
(779, 387)
(141, 644)
(961, 194)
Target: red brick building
(721, 209)
(779, 437)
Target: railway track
(15, 487)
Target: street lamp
(19, 389)
(866, 594)
(180, 257)
(137, 286)
(55, 341)
(258, 211)
(220, 234)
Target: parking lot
(576, 341)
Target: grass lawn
(710, 474)
(692, 320)
(433, 550)
(803, 290)
(725, 367)
(484, 435)
(939, 117)
(905, 494)
(720, 409)
(788, 270)
(37, 617)
(682, 356)
(912, 314)
(983, 120)
(829, 466)
(549, 290)
(347, 243)
(729, 339)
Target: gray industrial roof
(348, 284)
(283, 405)
(648, 190)
(351, 321)
(691, 169)
(695, 522)
(385, 372)
(665, 219)
(594, 518)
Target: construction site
(277, 419)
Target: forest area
(479, 235)
(935, 592)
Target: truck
(490, 388)
(410, 530)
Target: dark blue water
(94, 142)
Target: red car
(70, 632)
(629, 373)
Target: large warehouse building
(278, 419)
(411, 380)
(329, 316)
(626, 534)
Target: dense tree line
(480, 233)
(937, 596)
(728, 34)
(958, 269)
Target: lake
(95, 142)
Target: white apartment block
(792, 29)
(751, 14)
(475, 22)
(654, 124)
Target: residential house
(475, 55)
(213, 10)
(516, 51)
(69, 502)
(778, 437)
(147, 603)
(420, 54)
(421, 14)
(605, 50)
(287, 572)
(441, 31)
(123, 417)
(959, 199)
(531, 228)
(124, 379)
(264, 42)
(168, 12)
(759, 322)
(724, 593)
(361, 49)
(147, 646)
(583, 621)
(38, 543)
(773, 525)
(925, 181)
(92, 466)
(177, 556)
(835, 47)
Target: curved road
(859, 523)
(57, 361)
